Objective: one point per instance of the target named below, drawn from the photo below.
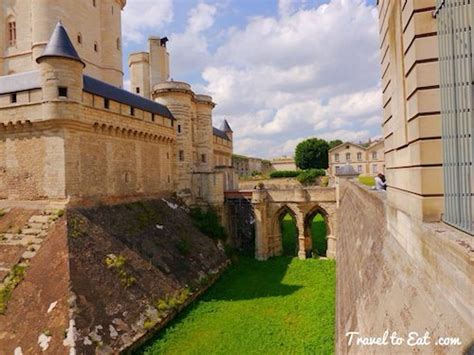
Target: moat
(280, 306)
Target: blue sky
(280, 71)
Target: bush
(208, 223)
(284, 174)
(309, 176)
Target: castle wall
(82, 151)
(411, 101)
(399, 274)
(222, 152)
(35, 21)
(31, 163)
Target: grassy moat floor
(280, 306)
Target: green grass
(289, 238)
(280, 306)
(367, 180)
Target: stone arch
(275, 242)
(308, 221)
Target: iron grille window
(455, 22)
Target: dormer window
(11, 32)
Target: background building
(246, 166)
(366, 160)
(284, 163)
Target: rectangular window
(359, 169)
(337, 169)
(106, 103)
(152, 117)
(336, 157)
(359, 156)
(13, 98)
(181, 155)
(137, 90)
(132, 111)
(179, 128)
(62, 91)
(375, 168)
(348, 156)
(203, 158)
(374, 155)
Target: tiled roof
(100, 88)
(219, 133)
(60, 45)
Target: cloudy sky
(280, 71)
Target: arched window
(79, 38)
(11, 30)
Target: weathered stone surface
(396, 273)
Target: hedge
(284, 174)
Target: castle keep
(70, 132)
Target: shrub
(309, 176)
(284, 174)
(208, 223)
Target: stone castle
(70, 132)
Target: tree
(312, 154)
(335, 143)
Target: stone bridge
(254, 218)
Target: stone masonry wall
(395, 273)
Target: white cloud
(190, 48)
(309, 72)
(145, 16)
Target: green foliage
(335, 143)
(312, 154)
(118, 263)
(280, 306)
(309, 176)
(75, 227)
(172, 303)
(208, 223)
(11, 281)
(284, 174)
(367, 180)
(324, 181)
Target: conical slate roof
(225, 127)
(60, 46)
